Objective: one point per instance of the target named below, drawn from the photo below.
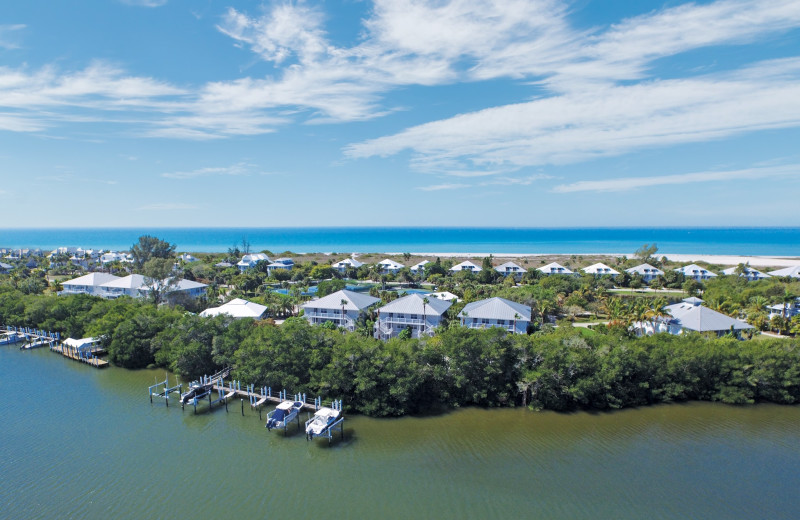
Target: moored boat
(283, 414)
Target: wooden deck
(261, 399)
(70, 353)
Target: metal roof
(703, 319)
(413, 304)
(555, 268)
(644, 269)
(599, 268)
(237, 308)
(794, 272)
(694, 269)
(496, 309)
(92, 279)
(466, 266)
(509, 266)
(355, 301)
(748, 272)
(132, 281)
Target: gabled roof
(253, 258)
(132, 281)
(509, 267)
(390, 264)
(645, 269)
(186, 285)
(466, 266)
(749, 272)
(496, 309)
(223, 264)
(348, 262)
(599, 268)
(555, 268)
(420, 265)
(694, 269)
(703, 319)
(95, 279)
(794, 272)
(355, 301)
(237, 308)
(444, 295)
(413, 304)
(6, 266)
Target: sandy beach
(726, 260)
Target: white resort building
(125, 286)
(250, 261)
(748, 273)
(792, 272)
(691, 315)
(417, 269)
(554, 268)
(389, 266)
(600, 270)
(416, 312)
(285, 264)
(496, 312)
(510, 268)
(348, 263)
(237, 308)
(88, 284)
(465, 266)
(646, 271)
(695, 272)
(342, 308)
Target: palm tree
(343, 303)
(787, 299)
(516, 317)
(425, 302)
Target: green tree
(150, 247)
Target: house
(418, 269)
(389, 266)
(237, 308)
(792, 272)
(342, 308)
(223, 265)
(186, 257)
(111, 257)
(5, 268)
(465, 266)
(281, 263)
(125, 286)
(748, 273)
(416, 312)
(189, 288)
(84, 345)
(444, 295)
(31, 264)
(250, 261)
(600, 269)
(695, 272)
(87, 284)
(788, 310)
(555, 268)
(691, 315)
(348, 263)
(510, 268)
(496, 312)
(646, 271)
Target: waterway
(77, 442)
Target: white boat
(322, 422)
(283, 414)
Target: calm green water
(77, 442)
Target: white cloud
(238, 169)
(168, 206)
(440, 187)
(145, 3)
(604, 121)
(632, 183)
(9, 34)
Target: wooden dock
(71, 353)
(258, 399)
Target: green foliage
(150, 247)
(327, 287)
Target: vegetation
(558, 369)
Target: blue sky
(524, 113)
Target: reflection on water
(78, 442)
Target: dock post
(242, 401)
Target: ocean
(719, 241)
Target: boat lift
(285, 413)
(324, 422)
(205, 387)
(163, 389)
